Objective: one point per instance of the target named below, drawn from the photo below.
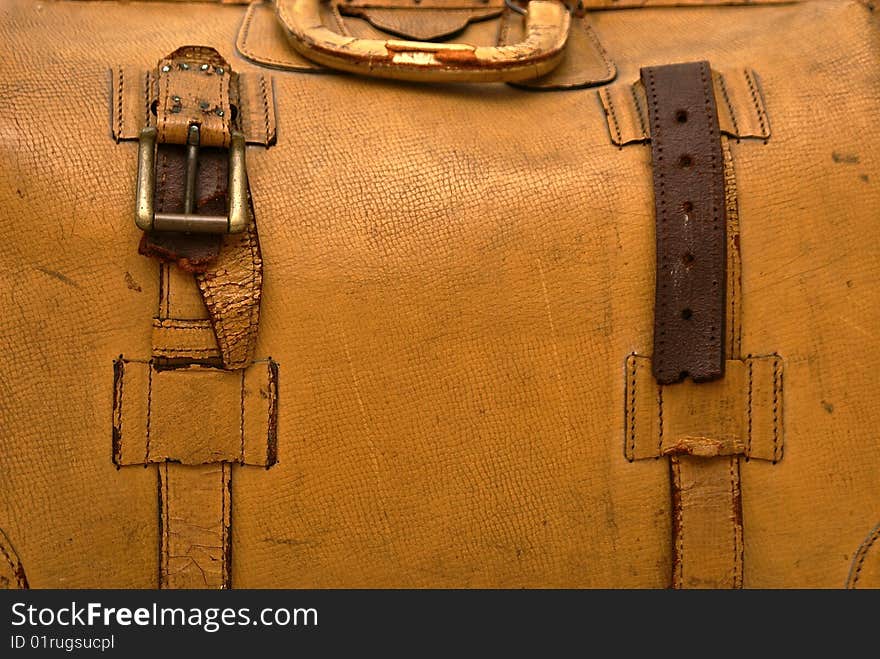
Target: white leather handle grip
(547, 25)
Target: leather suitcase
(441, 293)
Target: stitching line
(181, 324)
(733, 250)
(117, 448)
(272, 434)
(149, 409)
(613, 117)
(255, 284)
(631, 412)
(121, 76)
(241, 455)
(723, 86)
(165, 503)
(610, 68)
(166, 351)
(678, 578)
(737, 544)
(660, 419)
(227, 525)
(15, 566)
(749, 415)
(245, 49)
(708, 92)
(166, 79)
(777, 381)
(754, 92)
(862, 554)
(644, 127)
(147, 90)
(265, 106)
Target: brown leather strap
(196, 85)
(689, 312)
(193, 252)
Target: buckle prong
(193, 138)
(147, 219)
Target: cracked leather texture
(453, 278)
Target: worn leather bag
(450, 293)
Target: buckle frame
(146, 217)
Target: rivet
(219, 112)
(204, 105)
(184, 66)
(166, 69)
(204, 67)
(176, 99)
(220, 70)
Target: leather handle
(547, 26)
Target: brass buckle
(148, 219)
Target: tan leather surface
(455, 277)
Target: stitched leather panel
(689, 307)
(153, 419)
(740, 414)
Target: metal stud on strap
(147, 219)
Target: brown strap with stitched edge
(691, 234)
